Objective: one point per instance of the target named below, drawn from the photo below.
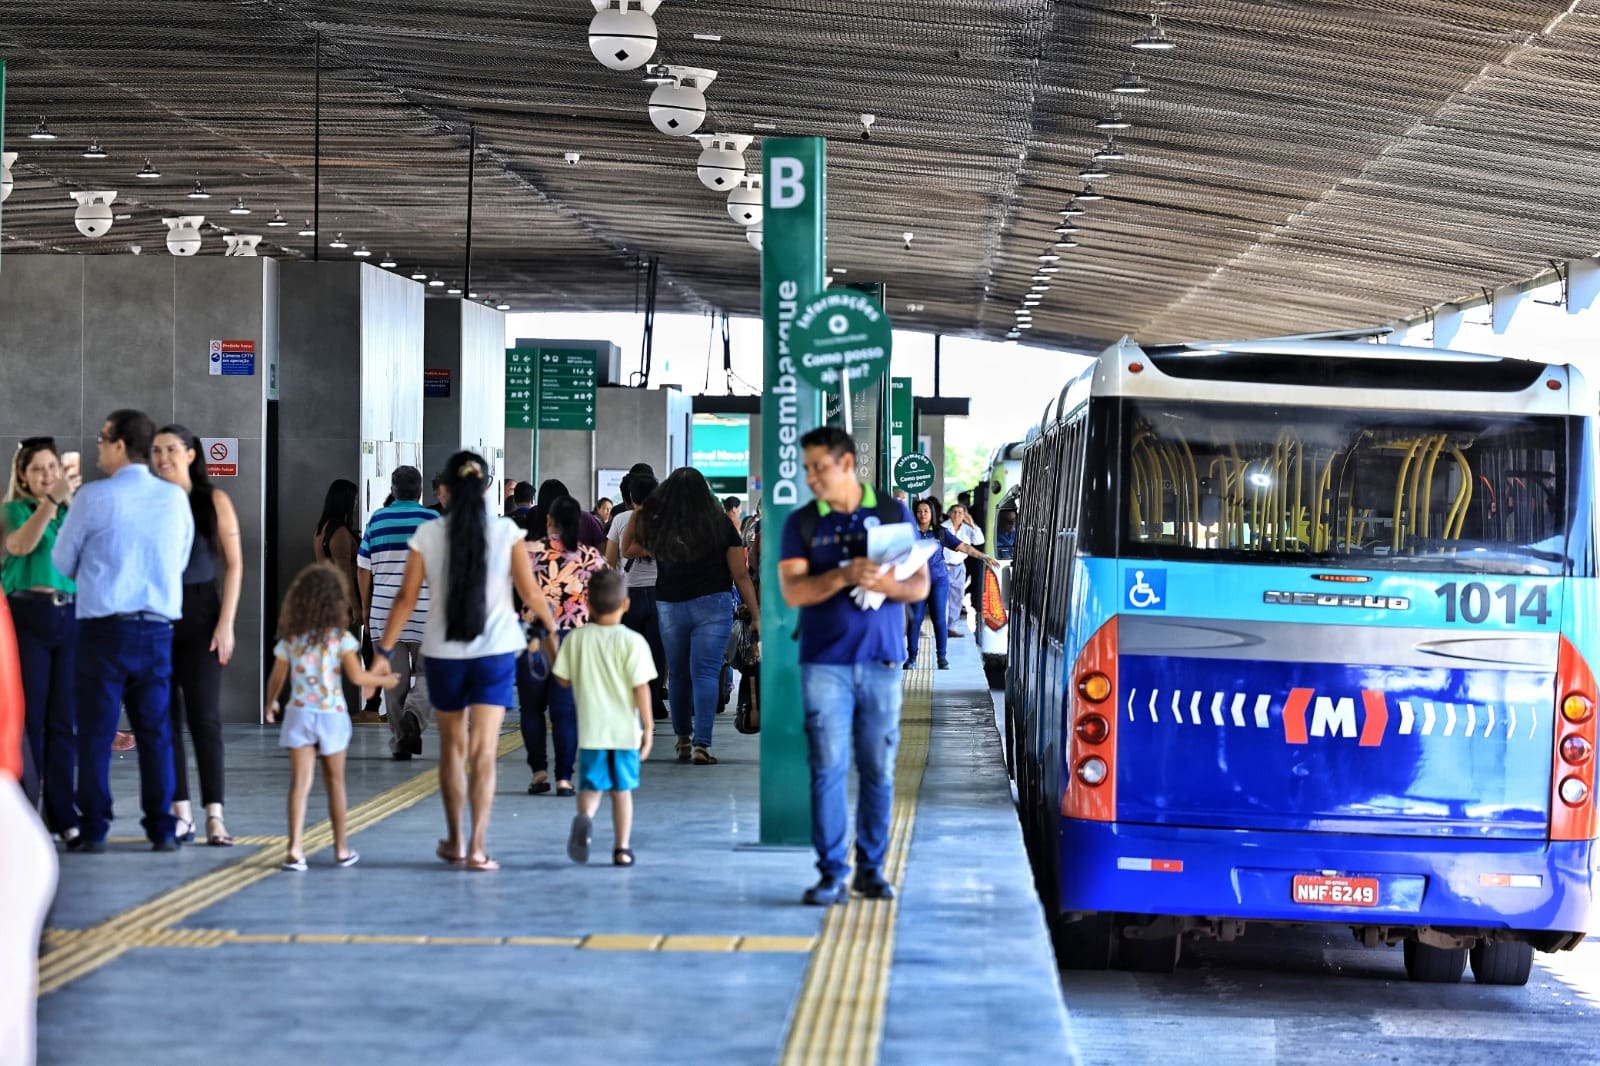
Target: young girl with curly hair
(314, 644)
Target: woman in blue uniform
(938, 585)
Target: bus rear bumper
(1528, 885)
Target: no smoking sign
(222, 456)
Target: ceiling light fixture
(1048, 270)
(1024, 325)
(277, 221)
(707, 36)
(418, 275)
(502, 306)
(361, 252)
(239, 208)
(1154, 39)
(94, 151)
(1072, 209)
(147, 171)
(1130, 83)
(1088, 195)
(435, 283)
(387, 263)
(1109, 152)
(1067, 242)
(1112, 120)
(307, 230)
(1094, 172)
(1049, 257)
(41, 132)
(338, 242)
(199, 191)
(1066, 227)
(453, 290)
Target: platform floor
(701, 953)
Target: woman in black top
(699, 559)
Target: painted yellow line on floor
(839, 1018)
(213, 938)
(101, 944)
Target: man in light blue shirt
(125, 542)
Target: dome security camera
(6, 159)
(622, 35)
(135, 248)
(721, 165)
(183, 234)
(744, 203)
(242, 245)
(866, 125)
(678, 107)
(572, 158)
(93, 216)
(906, 236)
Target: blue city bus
(1301, 632)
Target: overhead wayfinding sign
(566, 388)
(519, 387)
(841, 340)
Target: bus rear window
(1415, 490)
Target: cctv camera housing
(572, 158)
(93, 216)
(721, 165)
(622, 35)
(183, 234)
(744, 203)
(678, 108)
(754, 235)
(243, 244)
(6, 159)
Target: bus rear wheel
(1502, 962)
(1151, 954)
(1434, 965)
(1089, 943)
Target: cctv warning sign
(221, 456)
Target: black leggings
(197, 693)
(643, 619)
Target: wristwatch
(387, 653)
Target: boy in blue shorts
(610, 670)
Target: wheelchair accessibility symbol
(1147, 590)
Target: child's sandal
(622, 857)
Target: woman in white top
(959, 523)
(470, 641)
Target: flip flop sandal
(578, 838)
(350, 859)
(295, 865)
(484, 864)
(622, 857)
(703, 757)
(446, 855)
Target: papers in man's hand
(895, 545)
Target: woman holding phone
(42, 608)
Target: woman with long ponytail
(470, 643)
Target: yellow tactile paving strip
(839, 1019)
(215, 938)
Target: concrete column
(468, 341)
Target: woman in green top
(41, 601)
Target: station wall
(467, 341)
(82, 335)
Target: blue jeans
(124, 663)
(694, 634)
(938, 593)
(857, 703)
(47, 645)
(537, 692)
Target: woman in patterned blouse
(562, 565)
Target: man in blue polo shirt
(380, 570)
(849, 660)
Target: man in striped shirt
(381, 564)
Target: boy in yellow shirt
(610, 670)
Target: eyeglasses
(101, 438)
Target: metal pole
(316, 163)
(472, 169)
(937, 357)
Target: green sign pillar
(522, 397)
(794, 188)
(902, 435)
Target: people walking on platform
(521, 499)
(337, 540)
(590, 529)
(126, 543)
(41, 601)
(203, 638)
(960, 525)
(731, 506)
(938, 586)
(315, 647)
(642, 616)
(563, 568)
(380, 570)
(849, 681)
(609, 670)
(470, 643)
(602, 510)
(699, 559)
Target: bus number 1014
(1474, 601)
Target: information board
(566, 388)
(519, 387)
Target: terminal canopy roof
(1296, 165)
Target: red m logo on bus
(1334, 717)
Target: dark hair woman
(590, 529)
(699, 559)
(471, 641)
(42, 608)
(562, 565)
(927, 526)
(202, 640)
(338, 533)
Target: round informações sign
(914, 473)
(840, 333)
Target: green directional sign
(840, 335)
(914, 473)
(521, 401)
(566, 388)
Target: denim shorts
(456, 684)
(608, 770)
(327, 731)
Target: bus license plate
(1316, 889)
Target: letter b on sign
(788, 188)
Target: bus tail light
(1572, 778)
(994, 608)
(1090, 789)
